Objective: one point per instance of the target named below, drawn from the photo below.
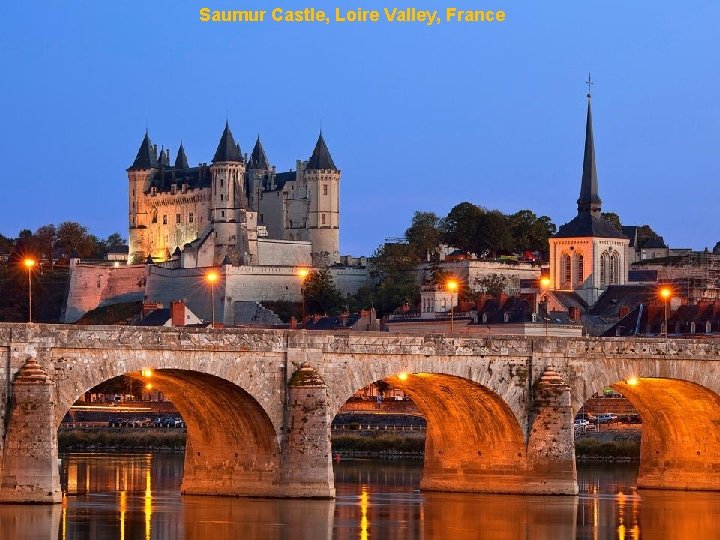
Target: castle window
(222, 213)
(191, 217)
(708, 327)
(154, 216)
(221, 182)
(323, 219)
(221, 197)
(178, 218)
(133, 192)
(324, 189)
(164, 219)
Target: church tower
(139, 175)
(323, 223)
(588, 254)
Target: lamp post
(29, 264)
(302, 274)
(452, 286)
(545, 285)
(665, 294)
(212, 278)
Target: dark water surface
(137, 497)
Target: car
(606, 418)
(631, 419)
(581, 422)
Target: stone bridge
(258, 404)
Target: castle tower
(587, 254)
(323, 222)
(181, 160)
(258, 172)
(139, 175)
(234, 224)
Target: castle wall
(349, 279)
(272, 212)
(284, 253)
(93, 285)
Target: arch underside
(680, 444)
(474, 442)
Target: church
(236, 210)
(588, 254)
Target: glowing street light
(402, 376)
(545, 285)
(147, 373)
(452, 286)
(302, 273)
(665, 294)
(29, 263)
(632, 381)
(212, 278)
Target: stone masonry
(258, 403)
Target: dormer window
(153, 191)
(173, 189)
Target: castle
(236, 210)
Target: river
(136, 496)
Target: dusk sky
(416, 117)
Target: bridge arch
(232, 445)
(680, 411)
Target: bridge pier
(306, 458)
(506, 464)
(29, 470)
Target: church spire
(145, 158)
(227, 150)
(258, 159)
(181, 160)
(321, 159)
(589, 200)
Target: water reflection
(137, 496)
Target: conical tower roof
(181, 160)
(258, 159)
(321, 158)
(227, 149)
(145, 158)
(164, 159)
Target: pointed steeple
(258, 159)
(181, 160)
(227, 150)
(321, 158)
(145, 158)
(164, 158)
(589, 200)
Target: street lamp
(212, 278)
(665, 294)
(29, 264)
(303, 274)
(452, 286)
(545, 285)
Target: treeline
(51, 243)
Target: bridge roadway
(259, 403)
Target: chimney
(177, 312)
(574, 313)
(293, 323)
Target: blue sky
(417, 118)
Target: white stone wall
(284, 252)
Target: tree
(492, 284)
(424, 235)
(492, 234)
(44, 240)
(73, 236)
(392, 268)
(321, 295)
(530, 232)
(613, 219)
(458, 228)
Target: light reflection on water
(137, 497)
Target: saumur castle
(237, 209)
(257, 227)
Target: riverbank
(610, 445)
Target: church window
(178, 218)
(604, 269)
(164, 219)
(565, 269)
(323, 219)
(191, 217)
(614, 268)
(580, 269)
(324, 189)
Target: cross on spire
(590, 84)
